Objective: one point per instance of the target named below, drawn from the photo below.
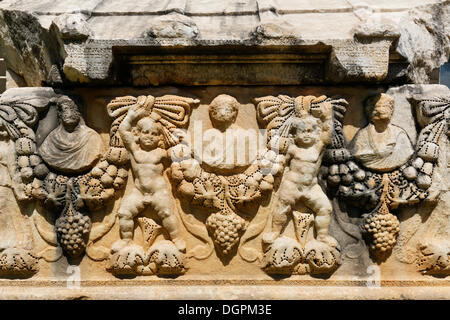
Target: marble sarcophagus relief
(185, 186)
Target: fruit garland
(380, 193)
(225, 194)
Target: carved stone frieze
(151, 199)
(237, 149)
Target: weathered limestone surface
(357, 41)
(233, 150)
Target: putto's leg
(321, 205)
(162, 205)
(288, 196)
(279, 220)
(130, 207)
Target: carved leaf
(97, 252)
(202, 251)
(51, 254)
(150, 229)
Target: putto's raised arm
(125, 128)
(327, 131)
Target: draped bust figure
(225, 150)
(381, 146)
(72, 147)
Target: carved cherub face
(380, 107)
(68, 114)
(305, 131)
(223, 111)
(149, 133)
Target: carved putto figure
(145, 146)
(299, 183)
(72, 147)
(300, 128)
(381, 146)
(148, 129)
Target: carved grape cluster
(72, 229)
(226, 229)
(109, 175)
(382, 229)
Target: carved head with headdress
(68, 113)
(380, 107)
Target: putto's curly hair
(373, 100)
(141, 122)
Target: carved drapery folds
(65, 175)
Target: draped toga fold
(382, 152)
(71, 152)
